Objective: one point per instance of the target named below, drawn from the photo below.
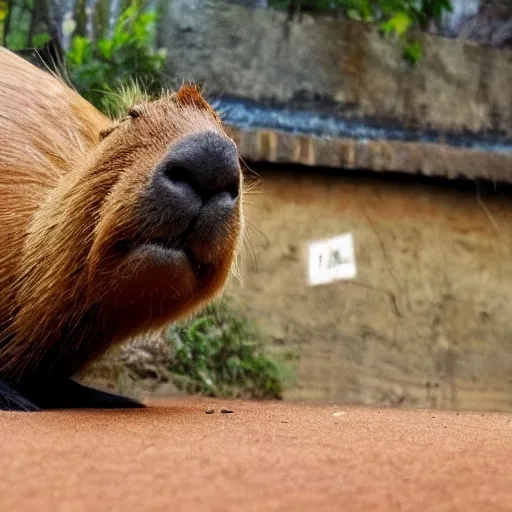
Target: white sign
(331, 260)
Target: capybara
(108, 228)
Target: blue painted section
(247, 115)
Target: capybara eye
(133, 113)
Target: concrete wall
(426, 323)
(336, 66)
(438, 160)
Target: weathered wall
(427, 320)
(336, 66)
(438, 160)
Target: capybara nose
(207, 162)
(200, 172)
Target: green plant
(412, 51)
(400, 16)
(220, 354)
(98, 68)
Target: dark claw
(13, 400)
(59, 394)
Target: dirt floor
(261, 456)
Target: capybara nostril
(199, 173)
(206, 161)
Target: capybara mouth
(174, 251)
(171, 247)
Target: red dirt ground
(263, 456)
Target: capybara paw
(80, 396)
(68, 394)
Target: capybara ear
(190, 95)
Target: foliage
(413, 51)
(111, 63)
(95, 66)
(15, 21)
(3, 14)
(395, 17)
(220, 354)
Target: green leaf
(79, 51)
(3, 10)
(105, 47)
(39, 40)
(413, 52)
(398, 24)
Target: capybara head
(168, 229)
(123, 227)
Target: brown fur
(71, 184)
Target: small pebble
(226, 411)
(338, 414)
(210, 411)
